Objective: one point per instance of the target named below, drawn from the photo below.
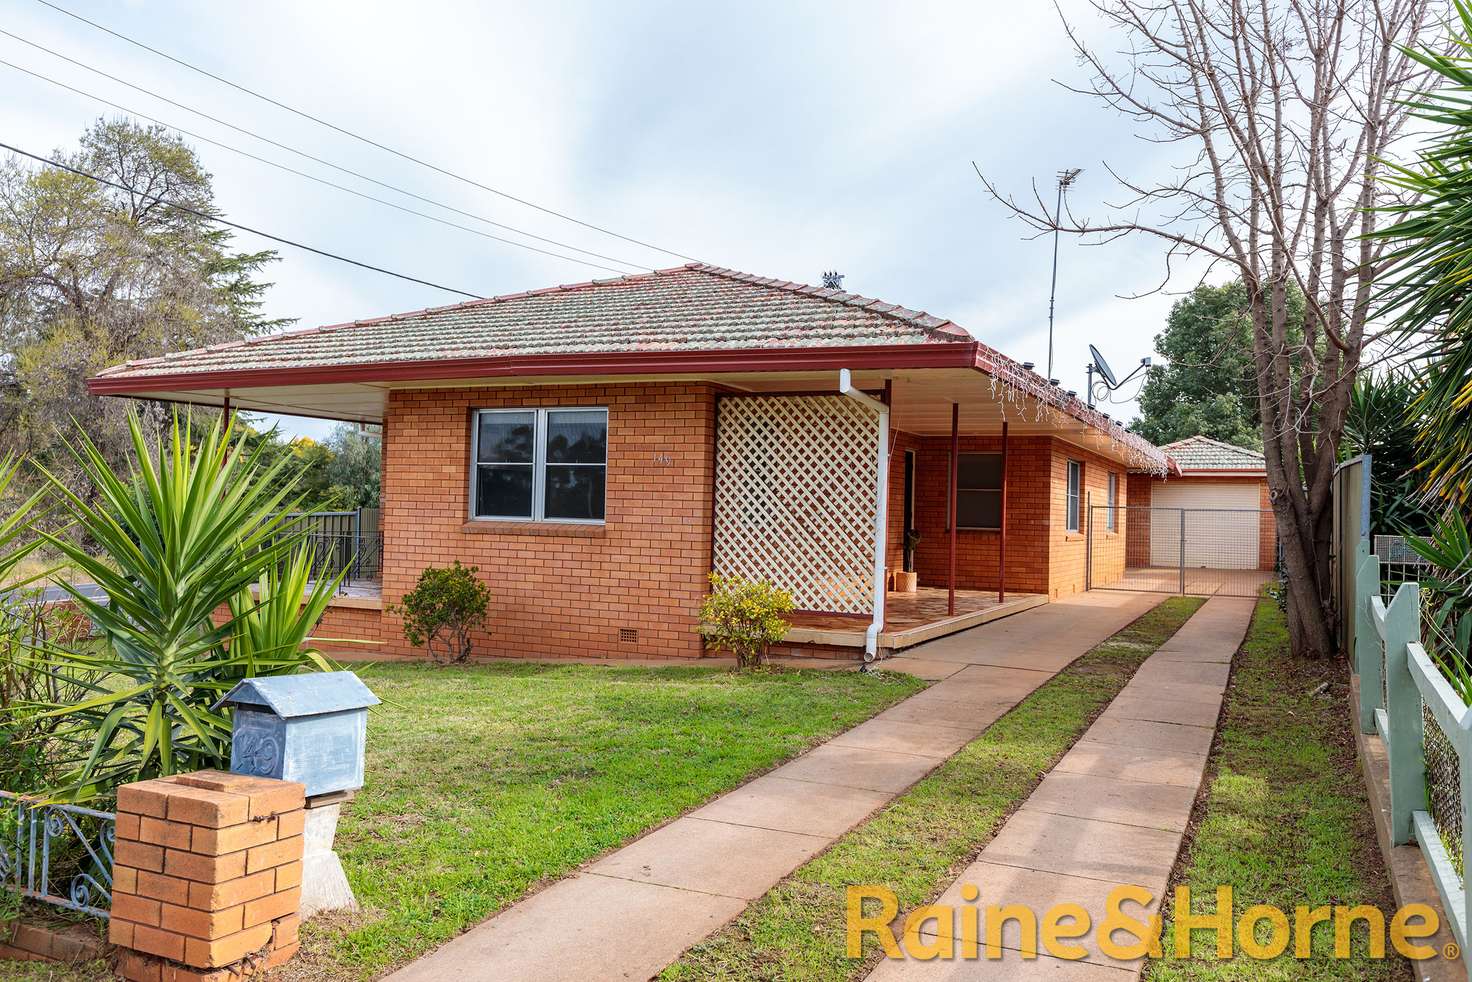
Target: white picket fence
(1401, 692)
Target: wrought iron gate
(1197, 551)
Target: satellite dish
(1102, 367)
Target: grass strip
(1284, 819)
(922, 840)
(485, 781)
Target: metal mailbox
(309, 728)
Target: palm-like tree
(206, 583)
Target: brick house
(597, 449)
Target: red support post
(955, 479)
(1002, 526)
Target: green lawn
(485, 781)
(1285, 818)
(922, 840)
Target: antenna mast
(1065, 178)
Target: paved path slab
(1111, 813)
(634, 911)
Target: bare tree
(1283, 110)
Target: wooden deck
(910, 618)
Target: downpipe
(881, 506)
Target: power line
(306, 156)
(360, 138)
(310, 177)
(243, 228)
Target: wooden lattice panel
(794, 497)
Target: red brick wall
(1068, 550)
(1137, 535)
(568, 591)
(561, 590)
(1041, 557)
(976, 549)
(357, 623)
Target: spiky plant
(180, 542)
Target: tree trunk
(1310, 624)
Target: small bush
(443, 608)
(744, 617)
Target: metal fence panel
(57, 854)
(1196, 551)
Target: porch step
(899, 640)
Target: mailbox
(309, 728)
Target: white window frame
(1073, 495)
(1111, 520)
(538, 463)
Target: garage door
(1221, 519)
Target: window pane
(979, 509)
(1073, 478)
(506, 438)
(981, 470)
(574, 492)
(503, 490)
(577, 438)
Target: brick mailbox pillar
(206, 877)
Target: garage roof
(1203, 455)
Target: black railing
(342, 541)
(361, 554)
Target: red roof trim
(956, 354)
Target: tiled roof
(1199, 453)
(688, 308)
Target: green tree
(1208, 382)
(355, 470)
(91, 276)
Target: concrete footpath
(633, 912)
(1111, 813)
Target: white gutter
(881, 507)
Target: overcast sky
(781, 139)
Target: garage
(1217, 521)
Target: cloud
(778, 138)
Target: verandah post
(1403, 709)
(955, 480)
(1002, 526)
(1369, 653)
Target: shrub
(744, 617)
(443, 608)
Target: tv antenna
(1100, 367)
(1065, 180)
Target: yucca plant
(275, 617)
(180, 539)
(15, 543)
